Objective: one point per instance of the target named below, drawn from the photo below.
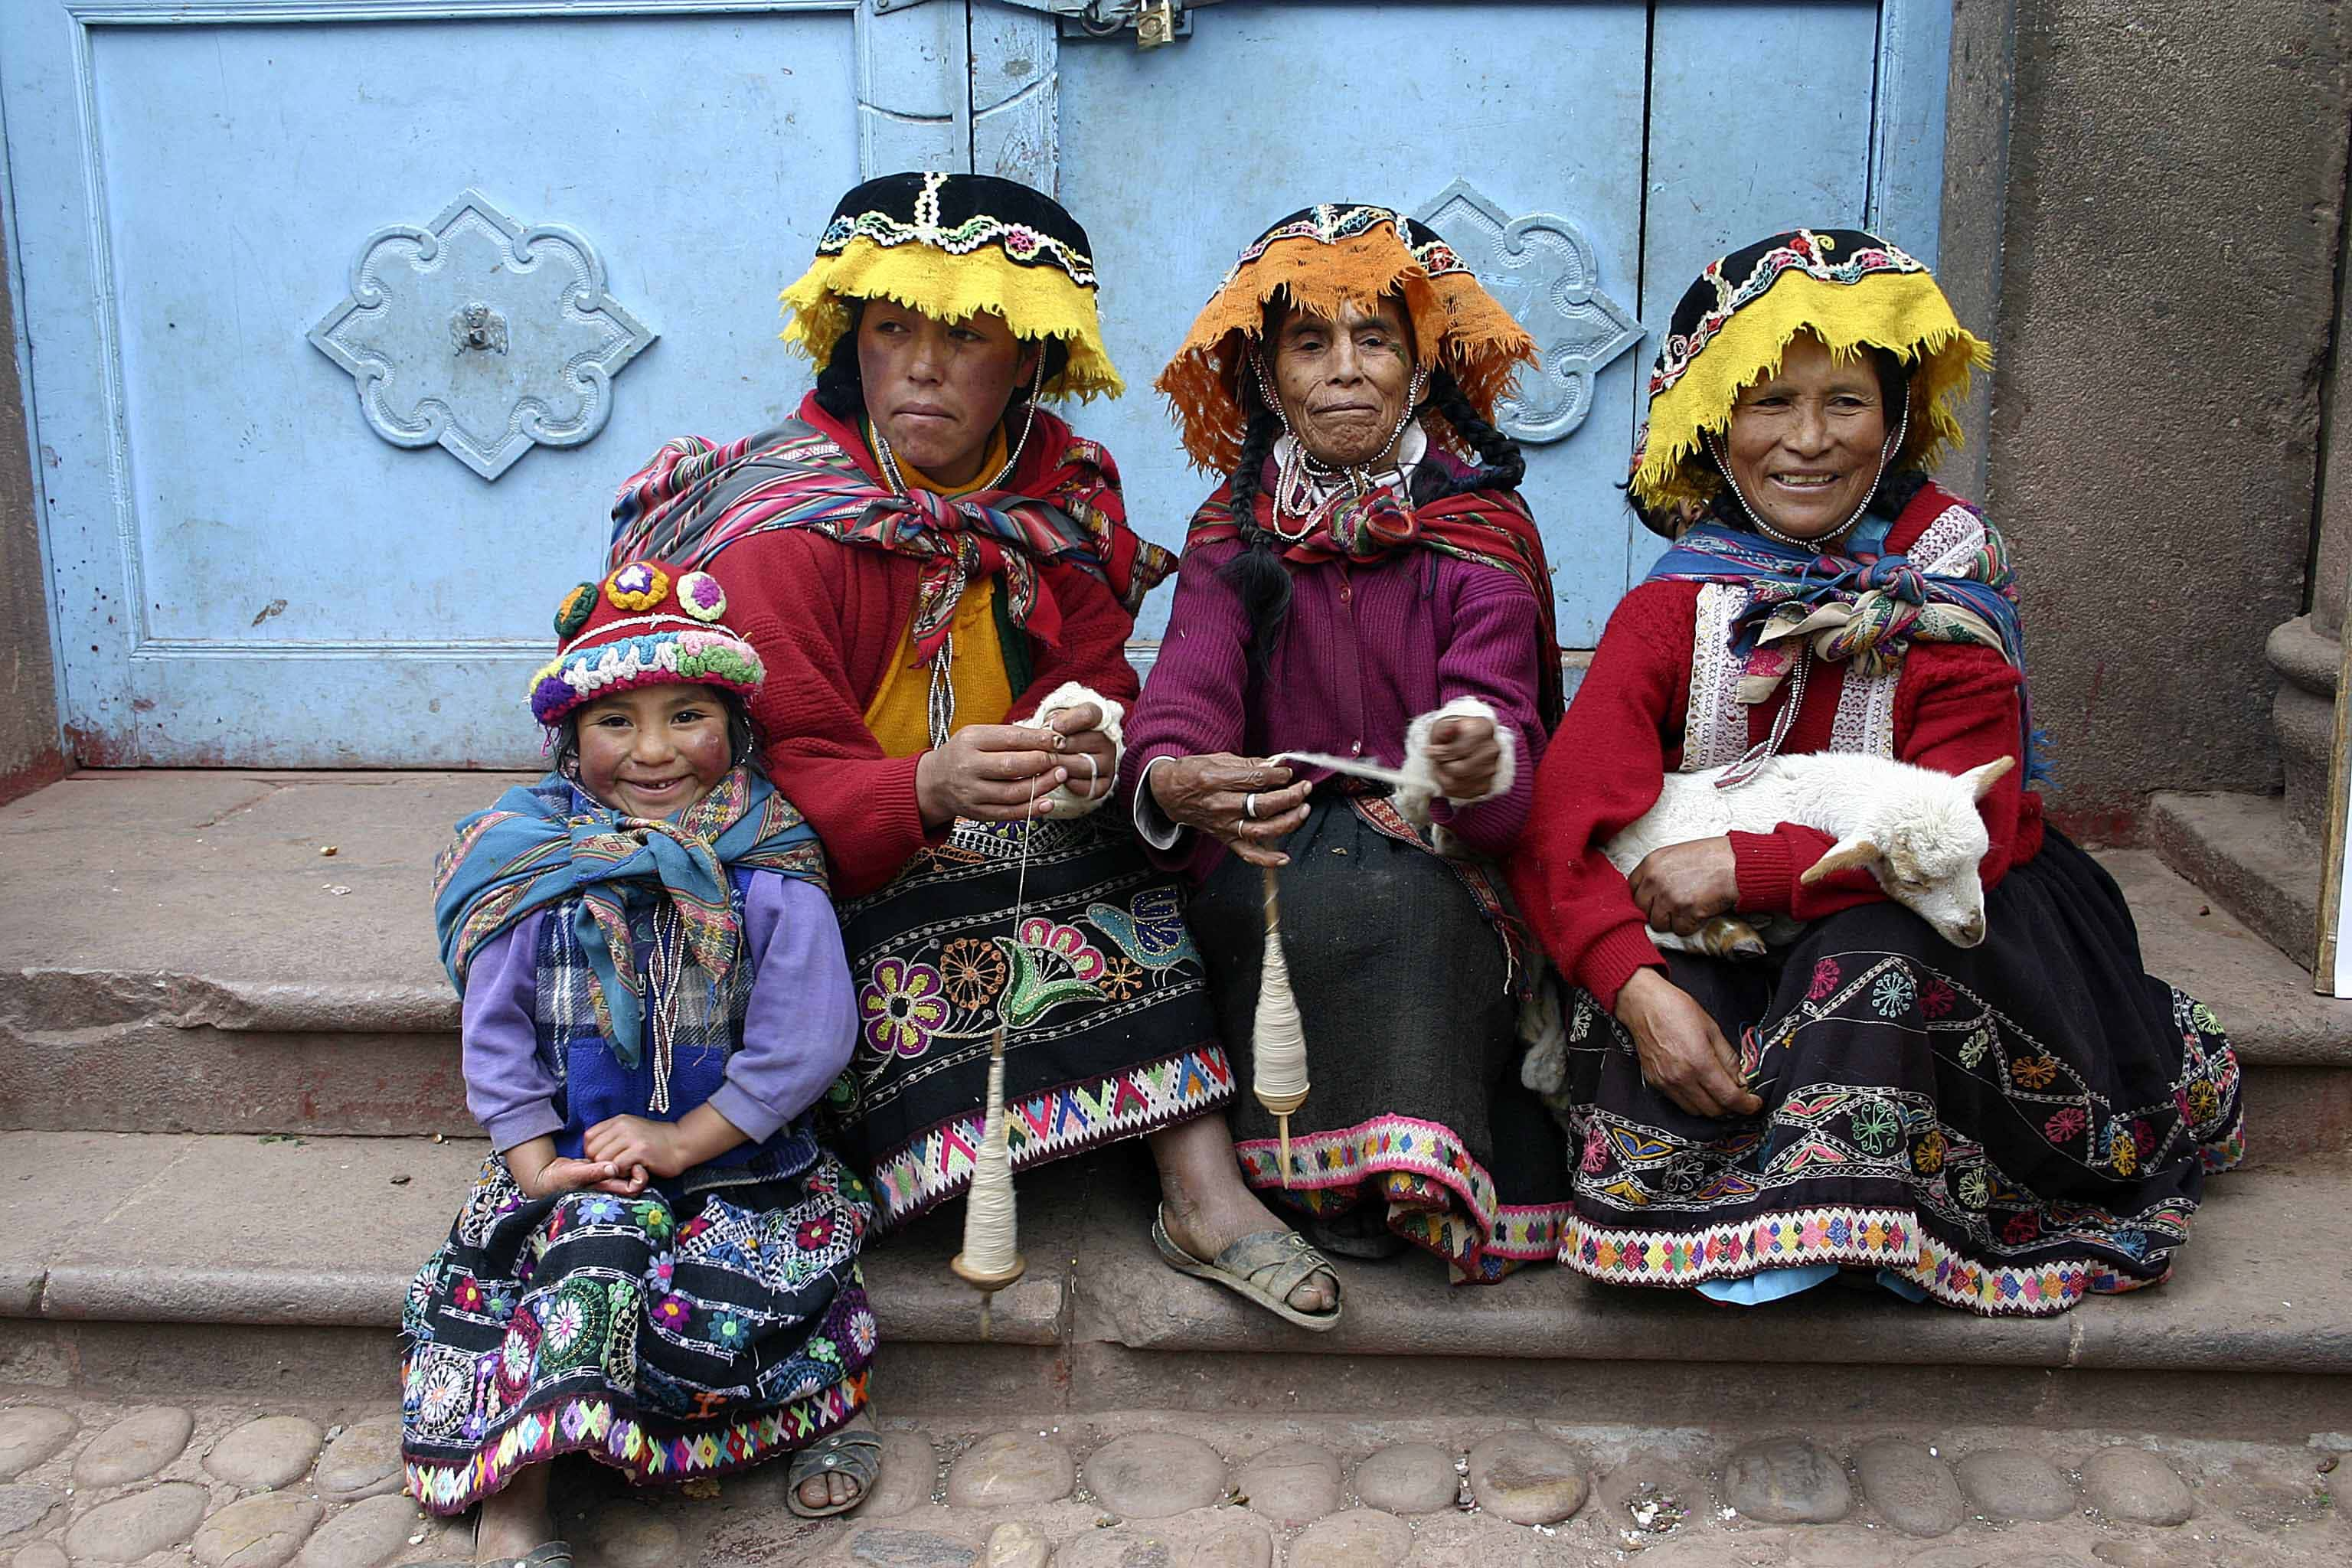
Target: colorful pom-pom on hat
(644, 625)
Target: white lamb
(1917, 829)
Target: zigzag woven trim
(588, 1425)
(1881, 1238)
(937, 1164)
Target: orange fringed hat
(1317, 259)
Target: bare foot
(514, 1522)
(833, 1487)
(1207, 1207)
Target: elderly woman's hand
(992, 773)
(1682, 1052)
(1249, 803)
(1465, 753)
(1681, 887)
(1082, 741)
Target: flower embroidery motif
(1927, 1153)
(2123, 1152)
(566, 1322)
(2204, 1099)
(467, 1295)
(1875, 1127)
(2021, 1228)
(1974, 1049)
(699, 596)
(1893, 994)
(1066, 942)
(1825, 979)
(2065, 1124)
(730, 1331)
(1936, 1001)
(862, 1333)
(1596, 1152)
(2143, 1137)
(1120, 979)
(814, 1234)
(1974, 1188)
(903, 1005)
(672, 1311)
(2034, 1072)
(662, 1270)
(973, 972)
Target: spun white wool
(991, 1241)
(1277, 1034)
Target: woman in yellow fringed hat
(2001, 1127)
(1366, 583)
(941, 579)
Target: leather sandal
(855, 1454)
(1264, 1266)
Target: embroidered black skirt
(670, 1335)
(2007, 1127)
(1405, 988)
(1096, 983)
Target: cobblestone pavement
(237, 1485)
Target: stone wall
(2174, 185)
(30, 754)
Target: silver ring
(1249, 806)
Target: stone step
(2250, 856)
(170, 1261)
(200, 964)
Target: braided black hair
(1501, 463)
(841, 385)
(1258, 573)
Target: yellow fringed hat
(952, 246)
(1320, 259)
(1851, 289)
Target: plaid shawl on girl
(694, 499)
(546, 842)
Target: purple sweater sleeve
(1494, 656)
(801, 1023)
(1193, 702)
(506, 1089)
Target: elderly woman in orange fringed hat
(939, 576)
(1366, 584)
(2002, 1124)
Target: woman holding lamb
(2003, 1125)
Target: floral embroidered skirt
(1087, 967)
(1405, 989)
(669, 1337)
(2006, 1127)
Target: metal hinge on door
(1153, 22)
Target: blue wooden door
(344, 317)
(1588, 157)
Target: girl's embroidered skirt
(2005, 1127)
(1095, 982)
(669, 1337)
(1407, 990)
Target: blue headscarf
(547, 842)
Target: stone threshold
(324, 1232)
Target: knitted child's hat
(646, 625)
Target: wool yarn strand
(1277, 1034)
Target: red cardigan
(825, 619)
(1956, 706)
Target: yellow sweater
(899, 714)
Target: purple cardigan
(1366, 650)
(799, 1027)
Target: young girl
(658, 1266)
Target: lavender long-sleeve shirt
(799, 1025)
(1365, 650)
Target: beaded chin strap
(1303, 474)
(940, 699)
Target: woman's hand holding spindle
(992, 773)
(1247, 802)
(1464, 756)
